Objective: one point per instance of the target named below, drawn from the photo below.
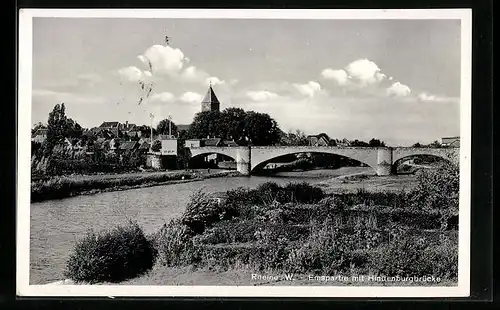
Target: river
(55, 225)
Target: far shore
(72, 185)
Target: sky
(395, 80)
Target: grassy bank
(71, 185)
(300, 229)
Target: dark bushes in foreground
(111, 256)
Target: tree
(146, 131)
(376, 143)
(359, 143)
(417, 145)
(73, 129)
(260, 129)
(206, 123)
(163, 127)
(297, 138)
(156, 147)
(56, 128)
(236, 124)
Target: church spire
(210, 101)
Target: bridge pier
(243, 163)
(384, 161)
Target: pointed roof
(210, 97)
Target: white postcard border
(24, 177)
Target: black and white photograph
(321, 153)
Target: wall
(169, 147)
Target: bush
(203, 211)
(327, 250)
(174, 245)
(111, 256)
(438, 189)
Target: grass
(67, 186)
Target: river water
(57, 224)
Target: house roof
(165, 137)
(128, 145)
(230, 143)
(212, 142)
(40, 132)
(109, 124)
(210, 96)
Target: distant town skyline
(395, 80)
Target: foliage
(327, 250)
(202, 211)
(156, 147)
(376, 143)
(438, 189)
(359, 143)
(244, 127)
(111, 256)
(163, 127)
(56, 128)
(174, 245)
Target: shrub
(174, 245)
(402, 256)
(303, 193)
(203, 211)
(111, 256)
(327, 250)
(438, 189)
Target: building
(192, 143)
(450, 141)
(40, 135)
(109, 125)
(319, 140)
(210, 101)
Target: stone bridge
(381, 159)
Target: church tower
(210, 102)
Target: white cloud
(425, 97)
(131, 74)
(339, 76)
(191, 97)
(164, 59)
(364, 71)
(397, 89)
(309, 89)
(164, 97)
(193, 74)
(262, 95)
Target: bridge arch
(264, 163)
(416, 163)
(449, 154)
(262, 155)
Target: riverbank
(73, 185)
